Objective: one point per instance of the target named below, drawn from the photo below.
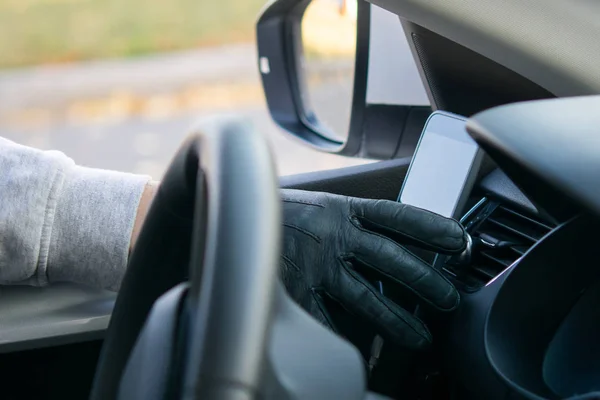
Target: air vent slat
(520, 250)
(487, 273)
(513, 230)
(503, 263)
(502, 236)
(533, 221)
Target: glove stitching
(307, 203)
(301, 230)
(407, 286)
(293, 264)
(426, 336)
(354, 219)
(316, 295)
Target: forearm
(61, 222)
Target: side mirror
(313, 57)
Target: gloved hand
(329, 239)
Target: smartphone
(443, 168)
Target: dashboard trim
(33, 317)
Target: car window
(120, 84)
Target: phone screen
(444, 161)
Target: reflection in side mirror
(329, 55)
(313, 57)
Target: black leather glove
(330, 239)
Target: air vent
(501, 235)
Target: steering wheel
(200, 313)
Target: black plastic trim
(462, 81)
(278, 38)
(378, 180)
(535, 298)
(545, 147)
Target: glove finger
(407, 270)
(391, 321)
(411, 225)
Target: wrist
(142, 211)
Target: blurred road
(43, 100)
(146, 146)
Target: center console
(533, 331)
(529, 322)
(542, 334)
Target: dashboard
(529, 320)
(476, 347)
(530, 329)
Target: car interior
(514, 81)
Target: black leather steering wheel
(202, 334)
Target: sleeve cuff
(92, 227)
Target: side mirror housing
(313, 59)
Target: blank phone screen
(440, 167)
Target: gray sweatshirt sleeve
(63, 222)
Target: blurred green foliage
(48, 31)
